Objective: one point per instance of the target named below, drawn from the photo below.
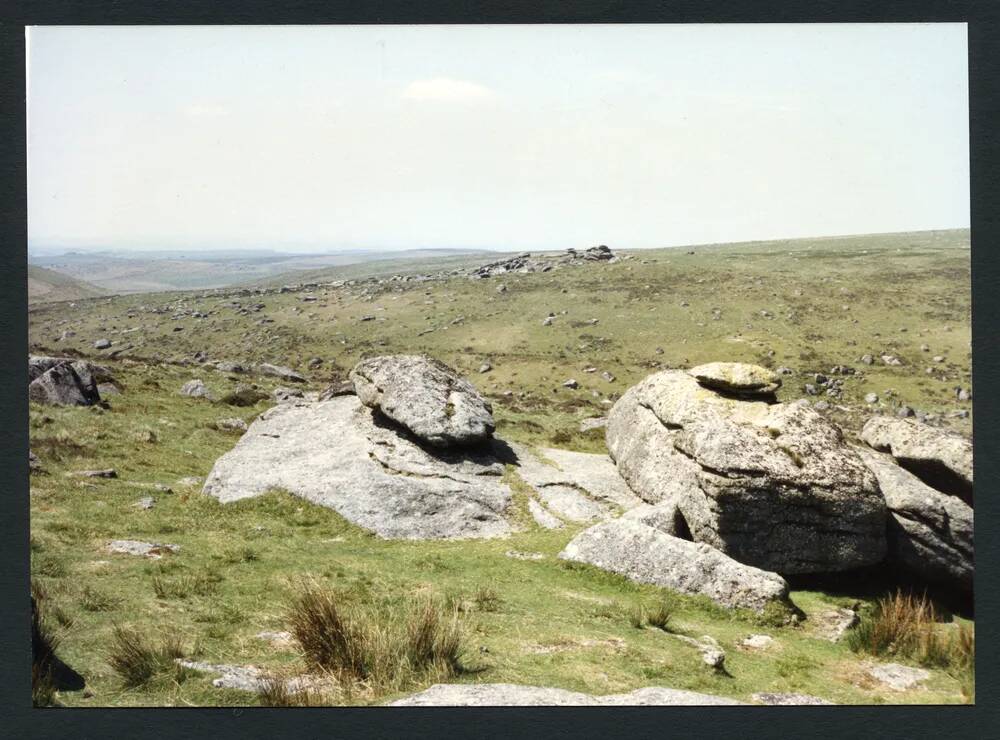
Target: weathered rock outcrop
(338, 454)
(771, 485)
(426, 397)
(513, 695)
(647, 555)
(940, 458)
(929, 532)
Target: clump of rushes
(375, 645)
(487, 600)
(137, 660)
(660, 617)
(908, 627)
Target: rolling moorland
(144, 271)
(46, 286)
(550, 350)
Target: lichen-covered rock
(737, 377)
(940, 458)
(930, 533)
(647, 555)
(898, 677)
(338, 454)
(771, 485)
(426, 397)
(513, 695)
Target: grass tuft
(137, 660)
(906, 626)
(375, 645)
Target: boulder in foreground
(513, 695)
(426, 397)
(647, 555)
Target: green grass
(523, 621)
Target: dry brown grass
(907, 626)
(377, 648)
(137, 660)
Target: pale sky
(502, 137)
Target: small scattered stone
(152, 550)
(571, 383)
(231, 425)
(278, 639)
(595, 423)
(145, 503)
(107, 473)
(788, 700)
(102, 344)
(518, 555)
(833, 623)
(196, 389)
(284, 395)
(898, 677)
(871, 398)
(485, 367)
(757, 642)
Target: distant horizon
(508, 138)
(65, 251)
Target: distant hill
(49, 286)
(147, 272)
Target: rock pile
(525, 263)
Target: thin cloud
(442, 88)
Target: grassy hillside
(804, 304)
(49, 286)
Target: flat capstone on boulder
(426, 397)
